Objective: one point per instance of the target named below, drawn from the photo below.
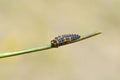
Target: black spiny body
(64, 39)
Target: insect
(64, 39)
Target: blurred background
(31, 23)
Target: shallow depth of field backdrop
(31, 23)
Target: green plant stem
(40, 48)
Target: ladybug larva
(64, 39)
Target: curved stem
(40, 48)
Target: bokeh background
(30, 23)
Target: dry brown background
(30, 23)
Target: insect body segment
(64, 39)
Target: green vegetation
(40, 48)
